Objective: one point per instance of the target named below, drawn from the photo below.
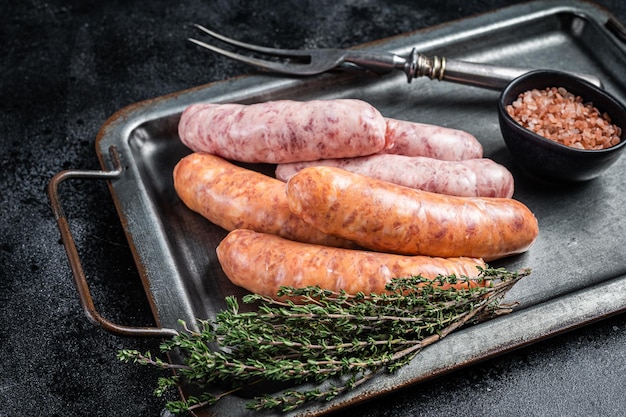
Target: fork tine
(293, 53)
(279, 67)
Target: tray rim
(118, 127)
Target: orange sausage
(233, 197)
(262, 263)
(387, 217)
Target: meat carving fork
(304, 62)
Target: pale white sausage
(284, 130)
(469, 178)
(419, 139)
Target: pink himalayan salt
(558, 115)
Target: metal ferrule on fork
(419, 65)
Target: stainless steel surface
(578, 273)
(306, 62)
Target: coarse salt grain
(558, 115)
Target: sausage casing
(262, 263)
(284, 130)
(387, 217)
(234, 197)
(468, 178)
(420, 139)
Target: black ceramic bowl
(545, 159)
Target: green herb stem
(333, 340)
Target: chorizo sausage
(469, 178)
(234, 197)
(382, 216)
(284, 130)
(420, 139)
(262, 263)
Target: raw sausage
(233, 197)
(262, 263)
(284, 130)
(419, 139)
(387, 217)
(469, 178)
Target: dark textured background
(66, 66)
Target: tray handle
(80, 280)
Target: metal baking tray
(577, 262)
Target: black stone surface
(65, 67)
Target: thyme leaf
(325, 345)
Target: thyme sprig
(324, 345)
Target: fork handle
(479, 75)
